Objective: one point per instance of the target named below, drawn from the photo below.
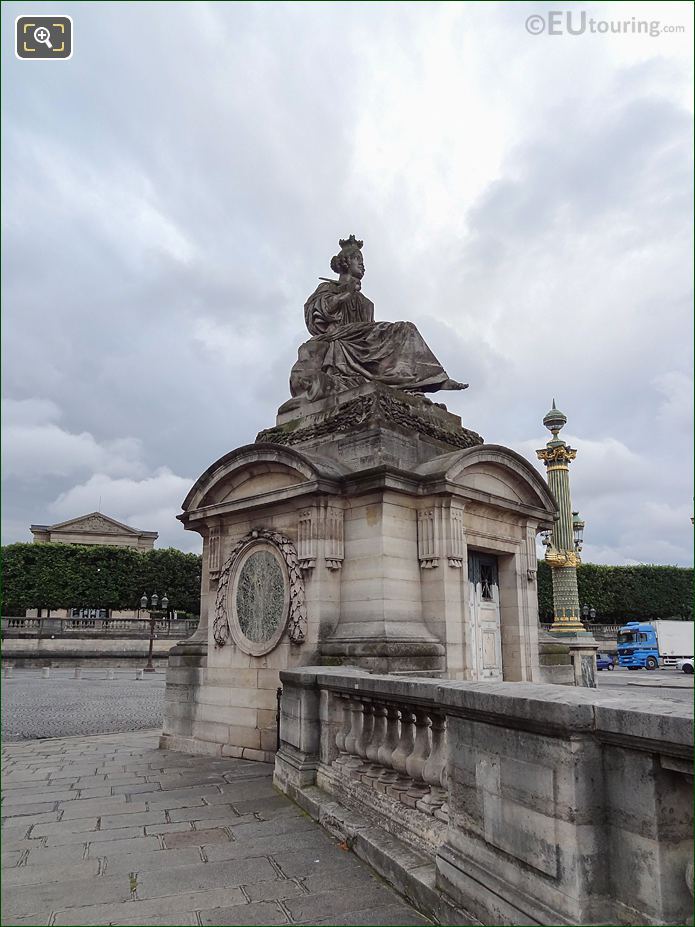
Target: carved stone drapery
(532, 570)
(457, 538)
(306, 540)
(333, 534)
(297, 617)
(321, 523)
(428, 537)
(214, 552)
(441, 533)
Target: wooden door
(484, 601)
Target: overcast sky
(175, 189)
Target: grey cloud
(170, 203)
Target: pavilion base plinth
(582, 650)
(389, 656)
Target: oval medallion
(260, 597)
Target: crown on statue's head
(350, 244)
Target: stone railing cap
(647, 719)
(308, 675)
(529, 704)
(654, 719)
(539, 705)
(405, 688)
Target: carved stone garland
(296, 622)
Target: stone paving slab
(169, 839)
(389, 914)
(38, 875)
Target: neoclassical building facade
(94, 528)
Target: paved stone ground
(666, 683)
(62, 705)
(108, 829)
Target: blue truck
(646, 645)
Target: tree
(97, 576)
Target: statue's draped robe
(349, 348)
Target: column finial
(555, 420)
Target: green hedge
(95, 576)
(625, 593)
(79, 576)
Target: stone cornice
(260, 500)
(374, 479)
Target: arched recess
(255, 469)
(497, 471)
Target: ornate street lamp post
(563, 543)
(588, 613)
(562, 547)
(154, 599)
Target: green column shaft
(559, 482)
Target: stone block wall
(212, 710)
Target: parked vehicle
(686, 666)
(644, 644)
(603, 661)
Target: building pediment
(94, 523)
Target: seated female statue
(348, 347)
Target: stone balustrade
(498, 803)
(395, 749)
(96, 627)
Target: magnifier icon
(43, 36)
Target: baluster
(432, 772)
(356, 714)
(402, 752)
(415, 763)
(365, 736)
(378, 739)
(343, 730)
(387, 749)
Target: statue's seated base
(371, 425)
